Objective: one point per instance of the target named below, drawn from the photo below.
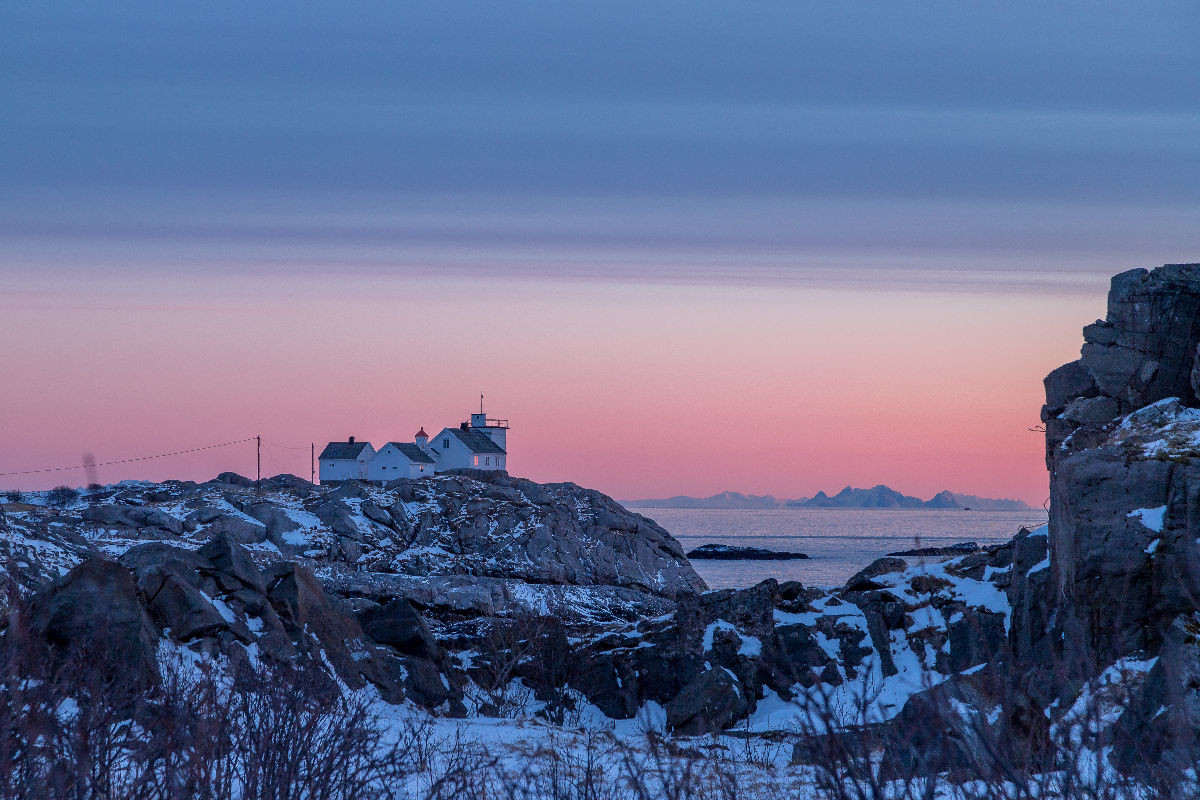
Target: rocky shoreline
(454, 592)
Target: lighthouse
(494, 429)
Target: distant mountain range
(876, 497)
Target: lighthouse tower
(494, 429)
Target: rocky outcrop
(404, 587)
(118, 617)
(720, 654)
(507, 536)
(1121, 490)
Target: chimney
(351, 440)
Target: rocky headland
(462, 591)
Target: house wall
(340, 469)
(459, 456)
(389, 463)
(337, 470)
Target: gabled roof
(414, 453)
(477, 442)
(348, 451)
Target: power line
(129, 460)
(284, 446)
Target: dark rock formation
(709, 703)
(960, 549)
(93, 615)
(216, 602)
(1163, 717)
(725, 552)
(1104, 474)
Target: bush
(61, 496)
(197, 735)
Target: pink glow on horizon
(639, 391)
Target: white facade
(391, 462)
(335, 468)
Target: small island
(959, 549)
(725, 552)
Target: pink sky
(639, 389)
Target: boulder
(133, 517)
(241, 529)
(945, 729)
(93, 616)
(1162, 723)
(234, 479)
(275, 519)
(398, 625)
(710, 703)
(178, 595)
(305, 609)
(227, 559)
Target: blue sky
(624, 138)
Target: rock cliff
(1123, 452)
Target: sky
(683, 247)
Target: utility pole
(312, 463)
(258, 480)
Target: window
(445, 444)
(487, 461)
(477, 461)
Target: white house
(481, 443)
(346, 461)
(472, 445)
(400, 460)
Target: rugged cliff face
(1123, 451)
(1124, 478)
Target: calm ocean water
(839, 542)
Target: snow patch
(1151, 518)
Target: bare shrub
(507, 647)
(61, 496)
(196, 735)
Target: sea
(839, 542)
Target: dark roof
(414, 453)
(344, 450)
(476, 441)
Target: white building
(481, 443)
(400, 460)
(471, 445)
(346, 461)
